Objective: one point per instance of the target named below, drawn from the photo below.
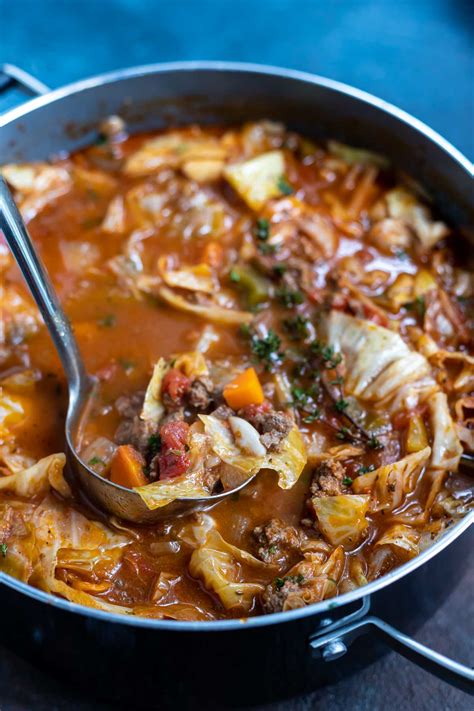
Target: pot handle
(331, 645)
(10, 75)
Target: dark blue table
(417, 54)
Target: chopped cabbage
(114, 221)
(378, 362)
(77, 256)
(96, 180)
(288, 460)
(153, 409)
(52, 537)
(313, 579)
(210, 312)
(401, 536)
(447, 448)
(173, 150)
(388, 485)
(36, 185)
(163, 492)
(218, 564)
(403, 204)
(357, 155)
(38, 478)
(256, 180)
(342, 519)
(194, 278)
(193, 364)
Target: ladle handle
(42, 290)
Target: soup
(256, 307)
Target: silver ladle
(113, 498)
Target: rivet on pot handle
(10, 75)
(333, 640)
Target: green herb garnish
(289, 298)
(95, 461)
(234, 275)
(365, 470)
(344, 434)
(341, 405)
(267, 349)
(347, 481)
(401, 254)
(279, 582)
(3, 549)
(296, 327)
(315, 415)
(279, 269)
(284, 186)
(154, 444)
(330, 359)
(418, 306)
(267, 249)
(262, 231)
(374, 443)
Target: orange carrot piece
(127, 467)
(244, 390)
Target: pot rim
(324, 606)
(244, 68)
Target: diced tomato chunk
(174, 434)
(173, 459)
(175, 385)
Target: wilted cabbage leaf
(256, 180)
(342, 519)
(37, 478)
(288, 461)
(378, 362)
(153, 409)
(360, 156)
(161, 493)
(402, 204)
(51, 536)
(401, 536)
(174, 150)
(447, 448)
(11, 411)
(197, 277)
(36, 185)
(313, 579)
(218, 564)
(388, 485)
(192, 364)
(210, 312)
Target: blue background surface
(417, 54)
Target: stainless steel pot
(234, 662)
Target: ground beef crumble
(274, 596)
(328, 479)
(278, 543)
(200, 395)
(272, 426)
